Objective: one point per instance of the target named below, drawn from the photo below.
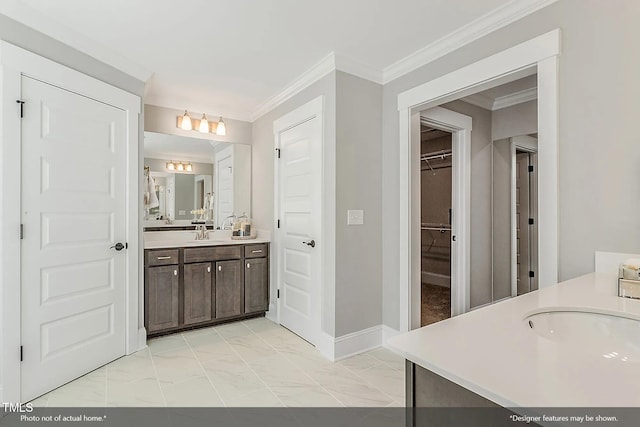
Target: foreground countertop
(492, 352)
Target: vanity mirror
(192, 179)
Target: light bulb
(186, 121)
(171, 166)
(189, 168)
(204, 124)
(180, 167)
(221, 129)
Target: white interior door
(73, 211)
(299, 247)
(224, 185)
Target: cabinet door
(197, 292)
(256, 285)
(229, 289)
(162, 298)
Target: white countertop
(179, 239)
(492, 352)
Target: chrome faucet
(201, 232)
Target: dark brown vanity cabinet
(229, 289)
(197, 293)
(190, 287)
(162, 280)
(256, 285)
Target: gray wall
(598, 75)
(262, 170)
(501, 198)
(520, 119)
(358, 186)
(353, 117)
(185, 195)
(481, 179)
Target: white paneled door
(299, 246)
(224, 185)
(73, 211)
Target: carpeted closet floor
(435, 303)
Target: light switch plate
(355, 217)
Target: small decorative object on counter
(242, 229)
(629, 279)
(229, 222)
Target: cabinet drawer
(256, 251)
(211, 253)
(162, 257)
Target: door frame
(460, 126)
(310, 110)
(540, 55)
(14, 63)
(522, 143)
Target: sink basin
(603, 335)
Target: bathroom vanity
(200, 283)
(560, 346)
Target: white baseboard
(272, 313)
(326, 346)
(142, 339)
(357, 342)
(387, 333)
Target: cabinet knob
(219, 268)
(248, 265)
(209, 269)
(175, 272)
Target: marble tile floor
(250, 363)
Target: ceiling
(227, 57)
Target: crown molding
(480, 27)
(306, 79)
(479, 100)
(358, 69)
(488, 103)
(515, 98)
(37, 21)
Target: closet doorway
(435, 224)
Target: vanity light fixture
(186, 124)
(179, 166)
(221, 129)
(203, 127)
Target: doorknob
(119, 246)
(312, 243)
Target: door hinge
(278, 223)
(278, 296)
(532, 274)
(278, 152)
(530, 169)
(21, 102)
(530, 221)
(21, 231)
(21, 354)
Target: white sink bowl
(597, 334)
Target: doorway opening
(435, 227)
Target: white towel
(150, 196)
